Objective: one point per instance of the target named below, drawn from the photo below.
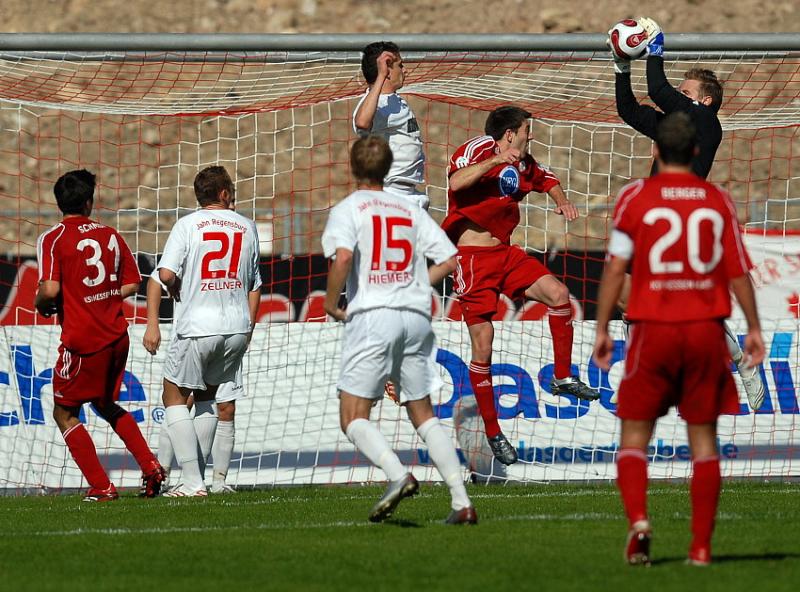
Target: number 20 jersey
(215, 254)
(683, 236)
(92, 262)
(390, 239)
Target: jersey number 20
(673, 235)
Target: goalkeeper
(700, 96)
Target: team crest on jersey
(509, 181)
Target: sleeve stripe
(627, 194)
(40, 248)
(473, 146)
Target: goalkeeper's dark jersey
(644, 118)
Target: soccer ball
(628, 39)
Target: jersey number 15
(390, 224)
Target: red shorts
(79, 379)
(683, 364)
(483, 273)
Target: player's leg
(750, 375)
(166, 453)
(548, 290)
(632, 485)
(704, 489)
(178, 421)
(84, 453)
(622, 304)
(222, 449)
(205, 422)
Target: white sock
(443, 454)
(205, 425)
(165, 452)
(370, 442)
(222, 450)
(733, 345)
(184, 442)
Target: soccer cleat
(221, 488)
(102, 495)
(466, 515)
(575, 387)
(502, 449)
(153, 481)
(396, 491)
(753, 385)
(699, 556)
(637, 545)
(180, 490)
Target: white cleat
(221, 488)
(753, 385)
(180, 490)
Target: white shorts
(409, 192)
(194, 362)
(389, 344)
(233, 390)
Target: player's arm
(128, 290)
(610, 289)
(664, 95)
(46, 300)
(468, 176)
(365, 114)
(171, 282)
(563, 205)
(438, 271)
(337, 278)
(152, 334)
(643, 118)
(753, 342)
(253, 302)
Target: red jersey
(493, 202)
(92, 262)
(683, 237)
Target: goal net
(280, 121)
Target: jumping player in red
(85, 271)
(488, 177)
(682, 237)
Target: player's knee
(559, 294)
(226, 411)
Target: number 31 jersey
(683, 237)
(92, 262)
(390, 239)
(215, 254)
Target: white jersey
(215, 254)
(395, 121)
(390, 238)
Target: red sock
(83, 451)
(560, 319)
(632, 482)
(480, 376)
(125, 427)
(706, 483)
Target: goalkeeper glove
(621, 65)
(655, 36)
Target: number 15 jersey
(92, 262)
(215, 254)
(390, 238)
(683, 237)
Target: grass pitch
(540, 537)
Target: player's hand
(391, 391)
(335, 311)
(568, 210)
(508, 156)
(174, 290)
(384, 62)
(655, 36)
(621, 65)
(754, 351)
(603, 349)
(152, 339)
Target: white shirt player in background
(379, 243)
(210, 268)
(383, 112)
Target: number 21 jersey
(92, 262)
(684, 240)
(215, 254)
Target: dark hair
(676, 138)
(370, 159)
(73, 190)
(503, 119)
(709, 85)
(369, 61)
(210, 182)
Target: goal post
(146, 112)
